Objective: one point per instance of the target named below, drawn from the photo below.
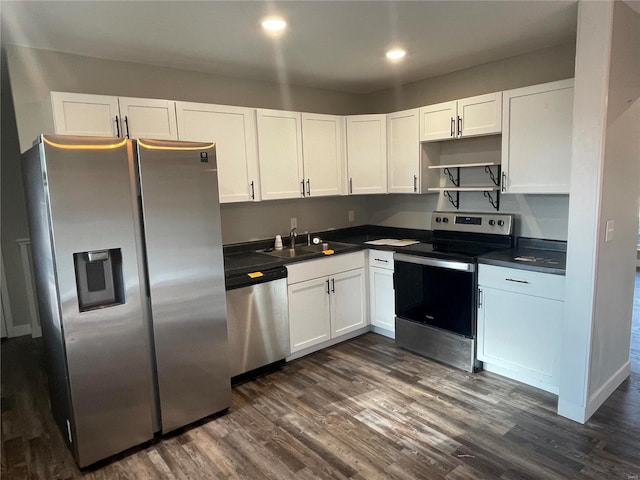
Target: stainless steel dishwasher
(257, 320)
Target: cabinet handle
(328, 291)
(516, 280)
(479, 298)
(117, 126)
(453, 126)
(415, 184)
(503, 187)
(126, 124)
(302, 187)
(308, 187)
(350, 185)
(333, 285)
(459, 125)
(253, 191)
(381, 260)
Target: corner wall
(604, 186)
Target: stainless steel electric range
(436, 286)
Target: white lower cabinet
(381, 293)
(327, 299)
(520, 316)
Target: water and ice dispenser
(99, 278)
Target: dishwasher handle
(248, 279)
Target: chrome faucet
(292, 238)
(308, 237)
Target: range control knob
(492, 222)
(445, 220)
(438, 219)
(500, 223)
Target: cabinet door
(521, 335)
(367, 153)
(536, 139)
(309, 314)
(481, 115)
(80, 114)
(382, 298)
(323, 154)
(234, 131)
(438, 122)
(148, 118)
(280, 154)
(348, 302)
(403, 143)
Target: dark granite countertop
(545, 256)
(243, 258)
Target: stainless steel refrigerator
(129, 275)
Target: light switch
(294, 222)
(609, 229)
(352, 215)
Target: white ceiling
(336, 45)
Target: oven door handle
(434, 262)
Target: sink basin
(302, 250)
(285, 253)
(335, 246)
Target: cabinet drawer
(522, 281)
(323, 267)
(381, 259)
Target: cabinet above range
(468, 117)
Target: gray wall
(34, 73)
(547, 65)
(12, 203)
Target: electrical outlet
(352, 215)
(294, 222)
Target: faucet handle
(317, 240)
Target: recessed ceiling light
(396, 54)
(274, 24)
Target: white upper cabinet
(403, 151)
(280, 154)
(148, 118)
(468, 117)
(234, 131)
(323, 147)
(438, 122)
(536, 140)
(367, 153)
(102, 115)
(81, 114)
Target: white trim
(596, 400)
(582, 413)
(12, 331)
(25, 253)
(328, 343)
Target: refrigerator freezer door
(181, 217)
(88, 190)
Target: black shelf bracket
(455, 202)
(454, 179)
(494, 203)
(494, 178)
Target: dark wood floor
(361, 410)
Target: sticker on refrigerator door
(204, 157)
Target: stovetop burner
(466, 236)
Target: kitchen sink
(286, 252)
(335, 246)
(302, 250)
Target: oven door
(435, 292)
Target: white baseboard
(383, 331)
(606, 389)
(328, 343)
(582, 413)
(19, 330)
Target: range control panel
(495, 223)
